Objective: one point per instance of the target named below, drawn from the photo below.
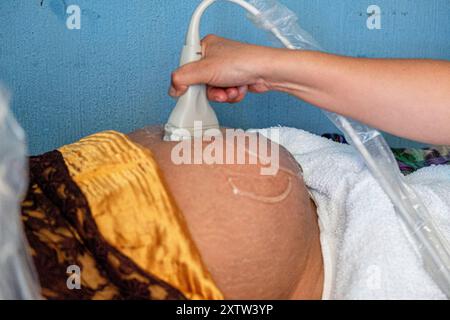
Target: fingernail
(233, 95)
(219, 99)
(242, 89)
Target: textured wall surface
(113, 73)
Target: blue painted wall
(114, 72)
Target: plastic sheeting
(17, 276)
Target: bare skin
(406, 97)
(253, 249)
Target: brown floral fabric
(61, 233)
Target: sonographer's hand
(229, 68)
(405, 97)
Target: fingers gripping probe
(193, 106)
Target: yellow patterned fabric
(135, 213)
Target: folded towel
(366, 253)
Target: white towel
(366, 253)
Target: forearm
(408, 98)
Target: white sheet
(366, 253)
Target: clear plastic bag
(17, 276)
(281, 21)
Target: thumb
(187, 75)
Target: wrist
(279, 68)
(291, 71)
(270, 65)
